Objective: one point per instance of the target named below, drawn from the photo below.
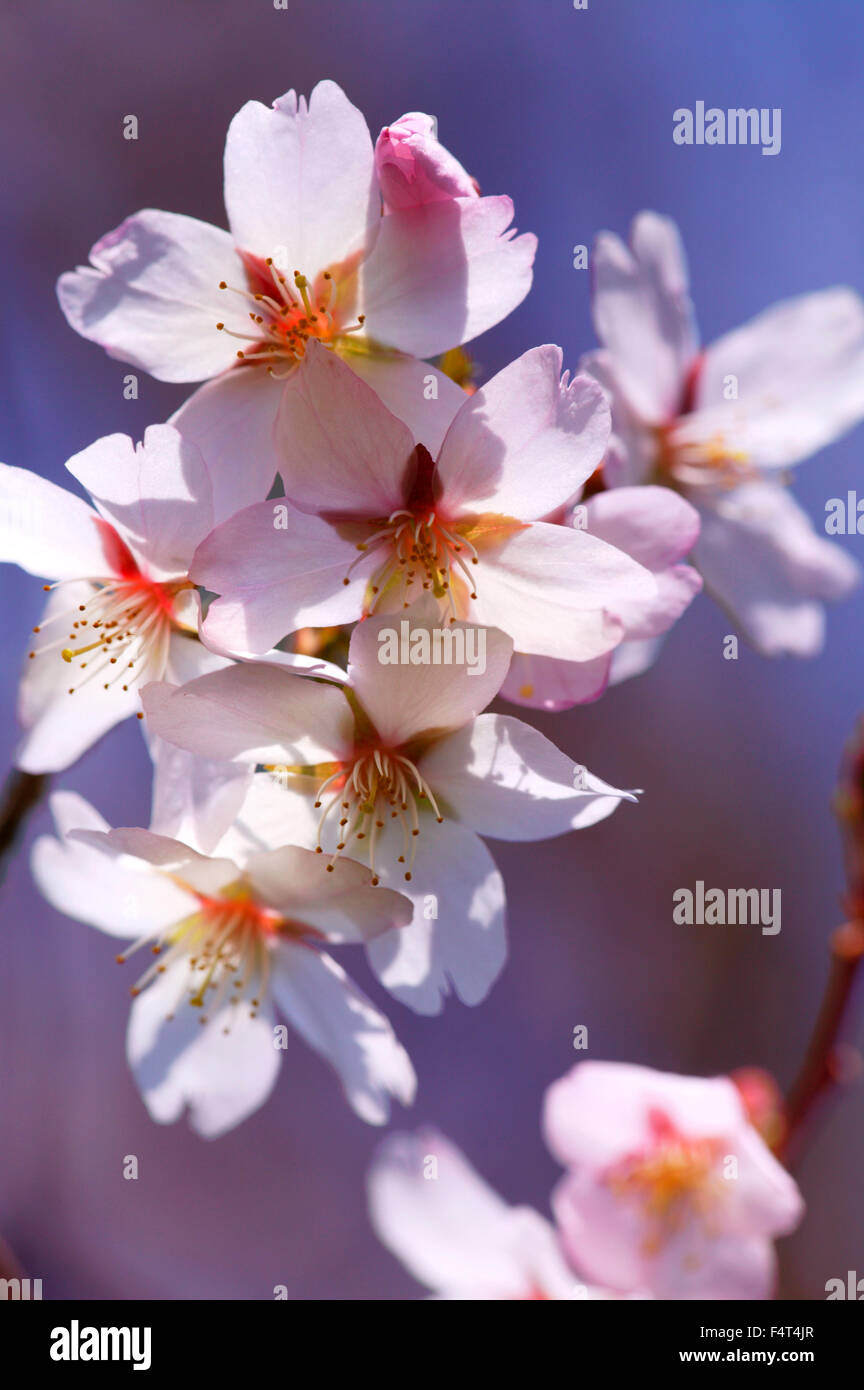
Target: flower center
(419, 552)
(284, 316)
(226, 945)
(673, 1181)
(120, 631)
(368, 792)
(700, 463)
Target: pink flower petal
(444, 272)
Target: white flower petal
(158, 496)
(339, 1023)
(542, 682)
(555, 591)
(338, 901)
(151, 296)
(252, 713)
(194, 799)
(231, 421)
(524, 444)
(122, 897)
(443, 272)
(643, 313)
(601, 1111)
(452, 1231)
(653, 525)
(276, 569)
(760, 556)
(299, 180)
(506, 780)
(342, 451)
(798, 371)
(179, 863)
(222, 1078)
(418, 393)
(457, 939)
(46, 530)
(404, 700)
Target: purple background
(571, 113)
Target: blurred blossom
(721, 425)
(669, 1187)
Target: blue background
(570, 113)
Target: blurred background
(570, 112)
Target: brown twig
(829, 1059)
(22, 792)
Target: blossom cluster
(233, 579)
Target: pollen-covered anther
(709, 462)
(131, 617)
(225, 946)
(418, 546)
(285, 318)
(377, 780)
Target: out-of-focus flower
(655, 527)
(455, 1234)
(413, 167)
(669, 1186)
(377, 521)
(229, 942)
(309, 258)
(400, 763)
(123, 610)
(720, 425)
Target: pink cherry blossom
(655, 527)
(669, 1187)
(376, 521)
(309, 257)
(229, 941)
(721, 425)
(402, 765)
(122, 609)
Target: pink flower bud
(413, 168)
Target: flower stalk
(22, 792)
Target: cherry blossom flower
(455, 1234)
(376, 521)
(401, 764)
(122, 610)
(656, 527)
(722, 424)
(309, 257)
(669, 1186)
(229, 941)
